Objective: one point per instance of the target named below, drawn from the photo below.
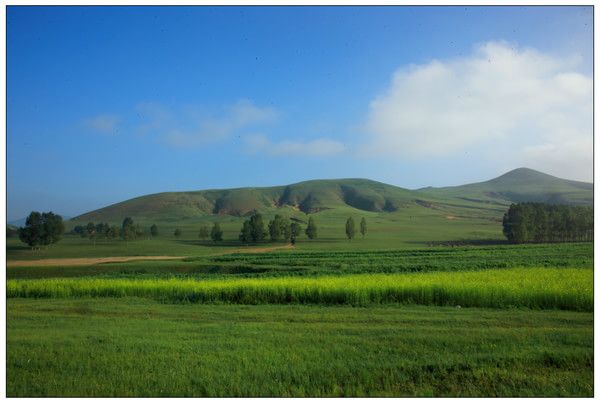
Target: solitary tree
(363, 227)
(350, 228)
(154, 230)
(216, 233)
(311, 229)
(204, 232)
(177, 233)
(257, 228)
(53, 227)
(295, 231)
(41, 229)
(286, 229)
(113, 232)
(90, 231)
(246, 232)
(275, 228)
(128, 231)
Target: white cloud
(534, 105)
(318, 147)
(106, 124)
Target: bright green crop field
(351, 320)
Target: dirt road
(85, 261)
(88, 261)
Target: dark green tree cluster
(216, 233)
(97, 231)
(204, 232)
(311, 229)
(104, 231)
(540, 222)
(42, 229)
(253, 230)
(280, 229)
(351, 228)
(130, 231)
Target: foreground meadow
(139, 347)
(494, 320)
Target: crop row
(425, 260)
(540, 288)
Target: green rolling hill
(519, 185)
(338, 196)
(304, 197)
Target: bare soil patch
(85, 261)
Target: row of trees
(128, 231)
(279, 229)
(42, 229)
(253, 230)
(283, 229)
(350, 228)
(215, 233)
(539, 222)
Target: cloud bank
(534, 107)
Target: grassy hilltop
(520, 185)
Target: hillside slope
(335, 194)
(519, 185)
(307, 197)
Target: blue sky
(109, 103)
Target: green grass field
(139, 347)
(326, 318)
(411, 227)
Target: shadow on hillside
(462, 242)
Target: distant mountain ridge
(314, 196)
